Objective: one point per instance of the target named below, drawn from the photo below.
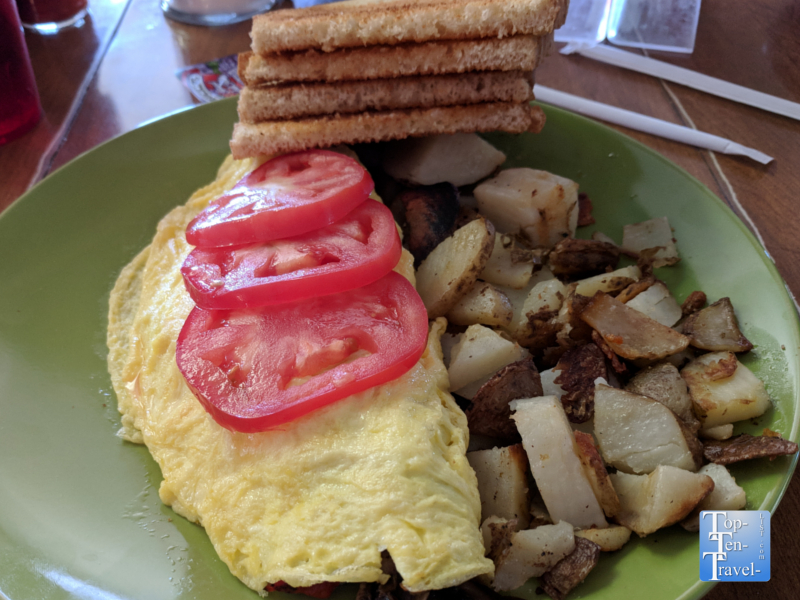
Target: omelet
(319, 499)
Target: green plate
(80, 515)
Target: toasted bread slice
(272, 137)
(367, 22)
(516, 53)
(290, 101)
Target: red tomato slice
(350, 253)
(254, 369)
(284, 197)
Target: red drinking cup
(20, 109)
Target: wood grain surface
(118, 70)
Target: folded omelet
(319, 499)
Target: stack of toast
(370, 70)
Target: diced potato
(517, 297)
(503, 483)
(539, 514)
(629, 333)
(549, 386)
(490, 414)
(532, 553)
(559, 581)
(637, 434)
(723, 390)
(720, 432)
(665, 496)
(496, 533)
(484, 304)
(726, 495)
(448, 341)
(716, 328)
(658, 303)
(602, 237)
(573, 257)
(540, 205)
(508, 264)
(663, 382)
(545, 297)
(555, 463)
(609, 539)
(596, 472)
(747, 447)
(608, 282)
(477, 356)
(655, 233)
(451, 270)
(460, 158)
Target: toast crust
(516, 53)
(289, 101)
(273, 137)
(366, 23)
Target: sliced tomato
(286, 196)
(350, 253)
(254, 369)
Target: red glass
(20, 109)
(49, 16)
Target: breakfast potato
(747, 447)
(459, 158)
(657, 303)
(629, 333)
(451, 270)
(477, 356)
(636, 434)
(578, 368)
(540, 205)
(542, 304)
(556, 466)
(663, 382)
(496, 533)
(572, 257)
(509, 264)
(662, 498)
(608, 282)
(549, 385)
(489, 413)
(652, 234)
(428, 215)
(719, 433)
(484, 304)
(609, 539)
(726, 495)
(572, 570)
(716, 328)
(502, 483)
(596, 473)
(531, 553)
(723, 390)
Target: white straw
(633, 120)
(687, 77)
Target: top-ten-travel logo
(734, 545)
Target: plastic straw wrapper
(687, 77)
(650, 125)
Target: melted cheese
(319, 499)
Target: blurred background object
(214, 12)
(51, 16)
(666, 25)
(20, 109)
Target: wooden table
(118, 70)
